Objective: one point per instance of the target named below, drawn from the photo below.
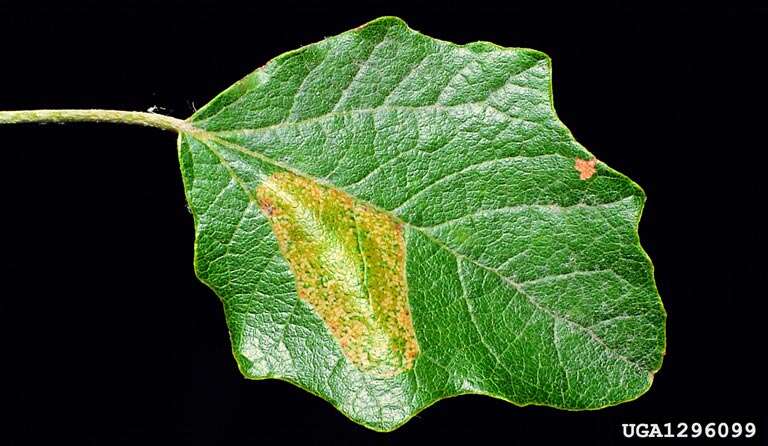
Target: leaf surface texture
(524, 276)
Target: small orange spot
(586, 168)
(266, 207)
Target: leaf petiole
(94, 115)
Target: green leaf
(391, 219)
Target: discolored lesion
(586, 168)
(349, 263)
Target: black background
(108, 337)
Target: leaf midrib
(363, 111)
(205, 135)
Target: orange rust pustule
(266, 207)
(586, 168)
(349, 263)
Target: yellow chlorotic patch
(349, 262)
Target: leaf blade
(443, 169)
